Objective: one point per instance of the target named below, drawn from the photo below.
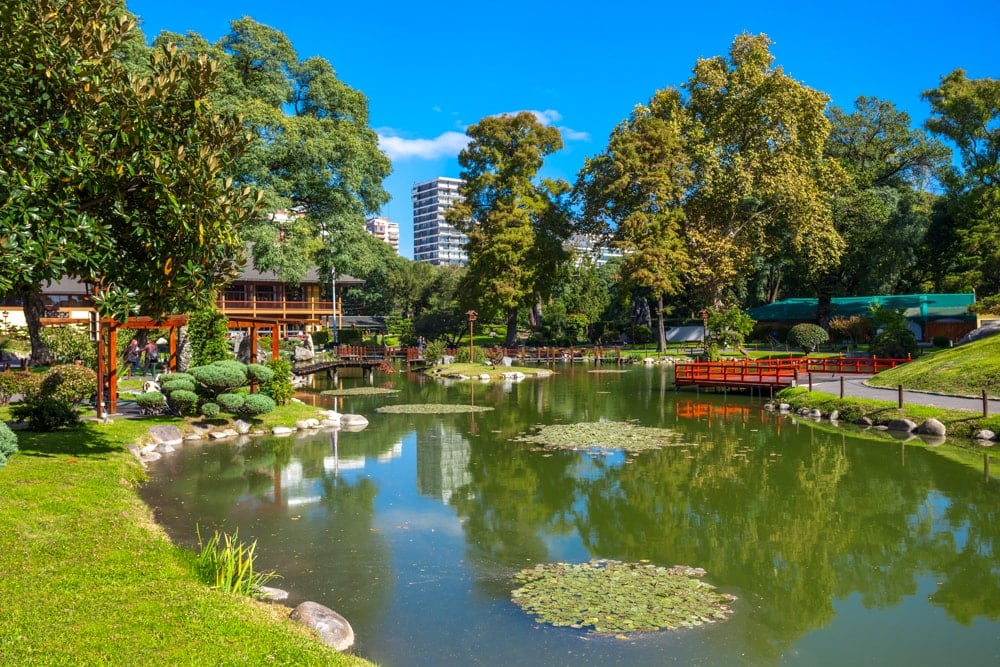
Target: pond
(840, 549)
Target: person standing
(152, 354)
(132, 356)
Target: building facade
(434, 240)
(384, 229)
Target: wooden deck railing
(774, 372)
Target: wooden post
(901, 397)
(986, 405)
(841, 386)
(810, 380)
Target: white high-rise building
(385, 229)
(434, 240)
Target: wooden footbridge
(774, 373)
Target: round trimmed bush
(8, 443)
(182, 401)
(941, 341)
(807, 336)
(222, 376)
(210, 410)
(894, 344)
(259, 373)
(230, 402)
(256, 404)
(150, 400)
(170, 377)
(69, 383)
(175, 385)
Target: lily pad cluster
(359, 391)
(430, 409)
(589, 436)
(612, 597)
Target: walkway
(856, 387)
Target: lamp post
(472, 318)
(704, 327)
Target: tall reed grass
(226, 563)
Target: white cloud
(444, 145)
(550, 117)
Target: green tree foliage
(511, 222)
(893, 340)
(761, 181)
(807, 336)
(729, 327)
(314, 154)
(69, 343)
(965, 240)
(279, 387)
(107, 174)
(208, 332)
(8, 443)
(637, 187)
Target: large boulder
(332, 628)
(932, 427)
(901, 425)
(989, 328)
(165, 434)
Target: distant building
(594, 247)
(434, 240)
(385, 229)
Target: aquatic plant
(359, 391)
(430, 409)
(226, 563)
(612, 597)
(585, 436)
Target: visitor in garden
(152, 354)
(132, 356)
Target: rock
(329, 423)
(282, 430)
(269, 594)
(883, 427)
(784, 407)
(834, 415)
(224, 433)
(353, 422)
(241, 427)
(985, 434)
(902, 425)
(506, 361)
(307, 424)
(193, 436)
(332, 628)
(165, 434)
(863, 421)
(302, 354)
(815, 413)
(516, 376)
(484, 377)
(769, 406)
(932, 427)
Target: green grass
(88, 578)
(965, 370)
(959, 423)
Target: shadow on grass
(83, 441)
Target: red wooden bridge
(774, 373)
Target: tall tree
(966, 112)
(114, 177)
(762, 184)
(882, 210)
(637, 187)
(504, 211)
(315, 155)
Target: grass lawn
(964, 370)
(87, 577)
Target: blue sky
(431, 69)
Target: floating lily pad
(604, 436)
(430, 409)
(607, 370)
(611, 597)
(359, 391)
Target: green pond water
(841, 549)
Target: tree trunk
(824, 308)
(34, 310)
(773, 284)
(535, 315)
(661, 341)
(511, 339)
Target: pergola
(107, 357)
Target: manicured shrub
(209, 410)
(220, 377)
(13, 383)
(941, 341)
(807, 336)
(182, 402)
(894, 344)
(230, 402)
(151, 401)
(168, 377)
(208, 331)
(8, 443)
(258, 373)
(642, 335)
(255, 404)
(69, 383)
(45, 413)
(279, 387)
(174, 385)
(434, 351)
(320, 338)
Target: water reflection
(832, 543)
